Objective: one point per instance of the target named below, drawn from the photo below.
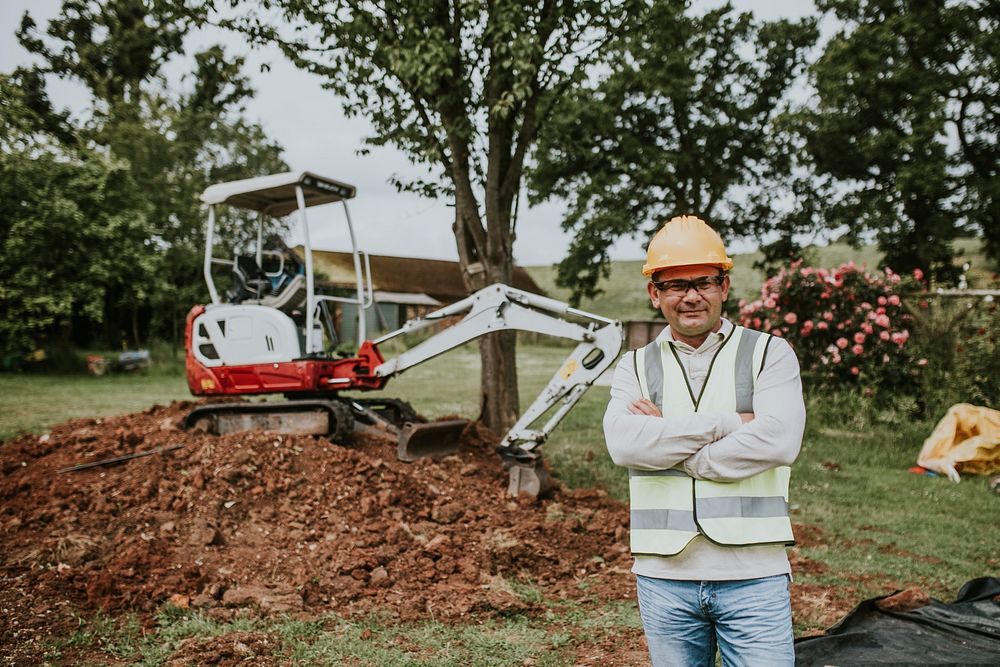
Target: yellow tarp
(966, 440)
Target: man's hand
(746, 416)
(645, 407)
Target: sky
(306, 120)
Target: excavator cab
(274, 334)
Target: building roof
(438, 279)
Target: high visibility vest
(668, 507)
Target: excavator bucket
(417, 441)
(530, 478)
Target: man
(707, 419)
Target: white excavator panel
(239, 335)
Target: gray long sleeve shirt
(716, 446)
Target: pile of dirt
(291, 524)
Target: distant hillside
(624, 291)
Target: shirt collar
(713, 339)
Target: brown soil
(288, 524)
(292, 524)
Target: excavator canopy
(275, 194)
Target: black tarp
(964, 632)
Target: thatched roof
(436, 278)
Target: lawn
(882, 527)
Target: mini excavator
(274, 334)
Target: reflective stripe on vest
(669, 508)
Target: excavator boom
(272, 333)
(499, 308)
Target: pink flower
(828, 316)
(882, 301)
(756, 323)
(769, 303)
(880, 311)
(822, 326)
(867, 328)
(866, 305)
(893, 299)
(859, 338)
(791, 318)
(855, 370)
(882, 320)
(807, 326)
(776, 332)
(842, 343)
(858, 349)
(921, 362)
(884, 335)
(918, 274)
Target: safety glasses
(681, 286)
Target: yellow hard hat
(683, 241)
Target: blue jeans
(748, 620)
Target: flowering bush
(846, 325)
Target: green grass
(851, 479)
(33, 402)
(543, 640)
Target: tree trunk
(498, 404)
(498, 394)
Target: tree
(71, 225)
(681, 123)
(905, 124)
(172, 145)
(976, 100)
(463, 88)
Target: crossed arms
(717, 446)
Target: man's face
(691, 314)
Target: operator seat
(249, 280)
(253, 286)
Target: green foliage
(682, 122)
(119, 187)
(847, 326)
(958, 337)
(895, 85)
(72, 229)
